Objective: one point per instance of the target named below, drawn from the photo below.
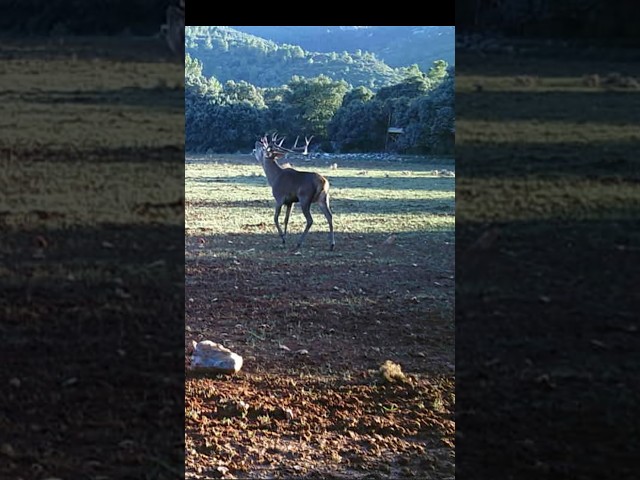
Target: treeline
(228, 117)
(396, 46)
(80, 17)
(232, 55)
(587, 19)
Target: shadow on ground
(89, 332)
(313, 329)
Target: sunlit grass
(226, 197)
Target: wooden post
(386, 139)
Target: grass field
(91, 212)
(314, 327)
(548, 233)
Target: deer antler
(295, 149)
(274, 139)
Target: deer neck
(272, 170)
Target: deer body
(290, 186)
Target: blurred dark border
(613, 23)
(546, 309)
(91, 312)
(77, 17)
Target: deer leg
(324, 206)
(306, 210)
(286, 218)
(276, 220)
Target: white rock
(213, 357)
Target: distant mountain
(397, 46)
(229, 54)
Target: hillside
(239, 85)
(396, 46)
(229, 54)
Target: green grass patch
(230, 195)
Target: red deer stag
(289, 185)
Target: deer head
(273, 150)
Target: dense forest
(396, 46)
(228, 54)
(228, 116)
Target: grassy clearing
(231, 195)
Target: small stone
(15, 382)
(215, 358)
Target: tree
(438, 71)
(236, 92)
(361, 94)
(412, 86)
(235, 126)
(313, 102)
(192, 67)
(425, 113)
(359, 126)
